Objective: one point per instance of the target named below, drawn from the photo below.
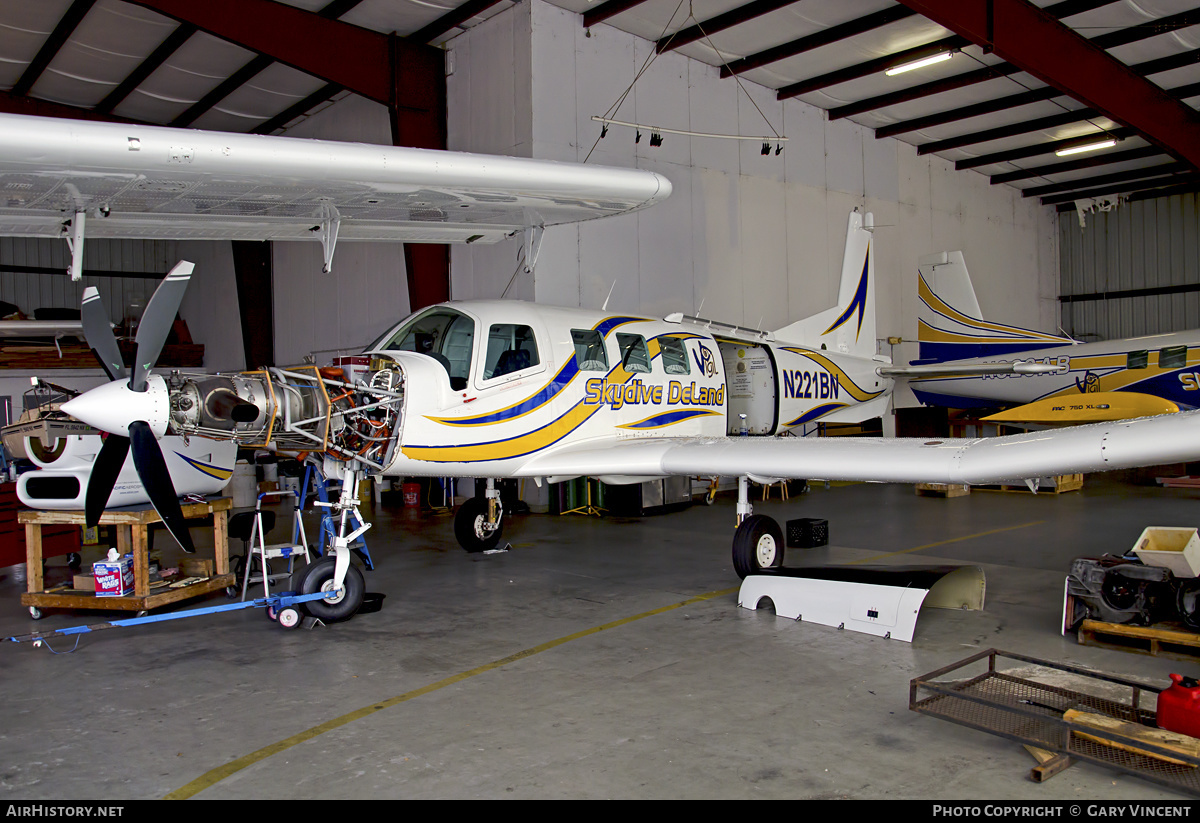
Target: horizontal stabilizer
(968, 369)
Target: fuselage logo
(1089, 384)
(705, 361)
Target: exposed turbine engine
(301, 409)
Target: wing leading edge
(1147, 441)
(156, 182)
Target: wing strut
(75, 244)
(331, 221)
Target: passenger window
(511, 348)
(589, 350)
(635, 357)
(1174, 357)
(674, 356)
(1138, 360)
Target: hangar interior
(608, 656)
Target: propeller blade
(104, 476)
(99, 335)
(155, 477)
(157, 320)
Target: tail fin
(850, 325)
(950, 325)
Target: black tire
(468, 526)
(757, 545)
(316, 577)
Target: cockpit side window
(511, 348)
(445, 335)
(589, 350)
(674, 356)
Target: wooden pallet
(942, 489)
(1062, 483)
(1153, 640)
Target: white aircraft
(497, 389)
(1083, 382)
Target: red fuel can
(1179, 706)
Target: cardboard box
(114, 578)
(1174, 548)
(84, 583)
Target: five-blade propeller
(147, 454)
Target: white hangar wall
(745, 238)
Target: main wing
(1149, 441)
(152, 182)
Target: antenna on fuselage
(610, 291)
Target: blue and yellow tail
(950, 325)
(848, 327)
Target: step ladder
(329, 527)
(298, 547)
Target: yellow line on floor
(218, 774)
(951, 540)
(211, 778)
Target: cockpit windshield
(444, 334)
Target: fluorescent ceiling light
(920, 64)
(1101, 144)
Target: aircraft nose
(113, 406)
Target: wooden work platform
(1144, 639)
(131, 530)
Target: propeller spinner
(134, 412)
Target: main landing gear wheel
(757, 545)
(471, 527)
(318, 577)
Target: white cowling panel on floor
(868, 607)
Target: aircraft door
(751, 387)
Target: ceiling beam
(1011, 130)
(1024, 35)
(1041, 148)
(1161, 64)
(1075, 165)
(62, 32)
(356, 58)
(712, 25)
(1049, 122)
(607, 10)
(879, 64)
(1060, 10)
(451, 19)
(1190, 178)
(19, 104)
(1105, 179)
(824, 37)
(1149, 194)
(297, 109)
(147, 67)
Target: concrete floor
(568, 668)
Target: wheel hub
(765, 551)
(332, 594)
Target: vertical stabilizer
(849, 326)
(950, 325)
